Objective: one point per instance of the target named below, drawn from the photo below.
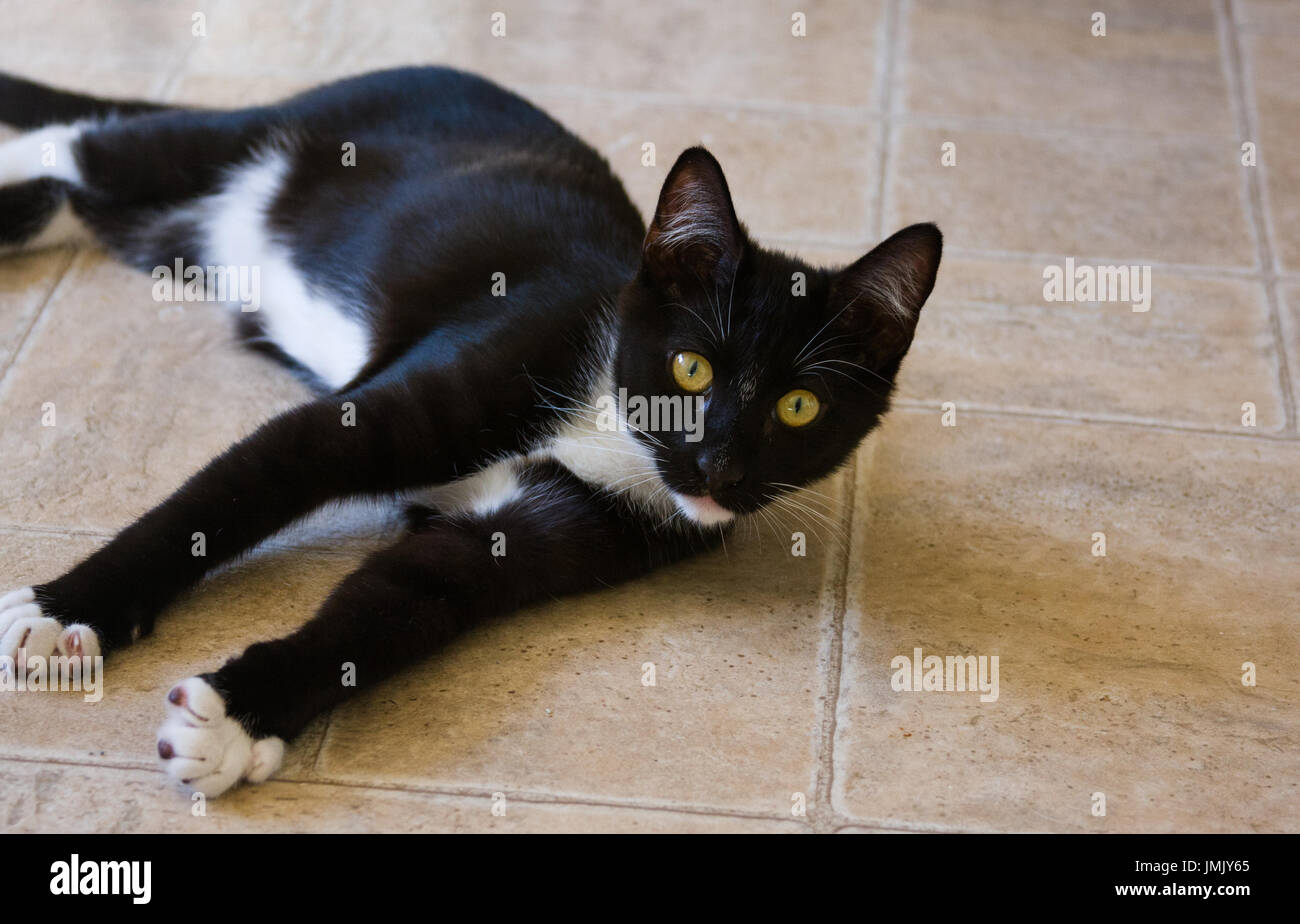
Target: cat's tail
(26, 104)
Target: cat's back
(447, 162)
(428, 207)
(430, 99)
(455, 122)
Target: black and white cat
(381, 281)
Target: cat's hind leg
(119, 173)
(37, 171)
(427, 426)
(208, 750)
(39, 168)
(36, 214)
(403, 604)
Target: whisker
(823, 327)
(845, 362)
(715, 336)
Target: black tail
(27, 104)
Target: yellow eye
(692, 372)
(798, 408)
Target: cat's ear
(695, 234)
(879, 297)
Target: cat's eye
(692, 372)
(798, 408)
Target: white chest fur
(296, 317)
(615, 461)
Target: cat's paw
(23, 627)
(204, 748)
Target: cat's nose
(719, 471)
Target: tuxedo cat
(469, 292)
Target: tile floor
(1119, 675)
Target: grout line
(539, 797)
(320, 745)
(53, 530)
(1000, 125)
(340, 548)
(1260, 27)
(1252, 274)
(839, 822)
(538, 92)
(1064, 130)
(91, 532)
(1256, 199)
(1229, 56)
(823, 816)
(888, 69)
(1255, 273)
(36, 316)
(916, 405)
(1274, 28)
(169, 84)
(899, 826)
(1059, 130)
(528, 797)
(63, 272)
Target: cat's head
(791, 365)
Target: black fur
(27, 104)
(457, 179)
(28, 207)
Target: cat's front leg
(261, 484)
(552, 536)
(287, 468)
(24, 627)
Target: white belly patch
(297, 317)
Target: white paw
(207, 750)
(24, 628)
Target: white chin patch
(703, 510)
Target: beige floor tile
(788, 175)
(1125, 14)
(768, 157)
(105, 49)
(1120, 199)
(859, 829)
(69, 75)
(987, 337)
(1272, 62)
(102, 353)
(1266, 14)
(829, 256)
(1289, 296)
(72, 799)
(991, 60)
(26, 281)
(324, 39)
(267, 597)
(144, 393)
(1119, 674)
(553, 701)
(234, 91)
(722, 51)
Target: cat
(474, 290)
